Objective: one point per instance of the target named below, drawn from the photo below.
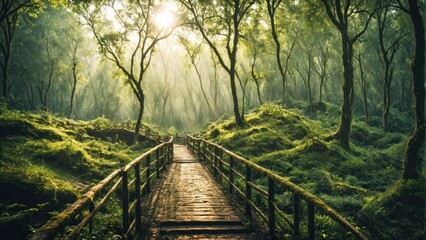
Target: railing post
(157, 163)
(271, 208)
(198, 151)
(191, 143)
(148, 172)
(296, 216)
(168, 153)
(204, 151)
(163, 157)
(138, 210)
(125, 203)
(231, 174)
(220, 159)
(215, 161)
(248, 190)
(211, 148)
(172, 152)
(311, 221)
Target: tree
(75, 66)
(194, 51)
(342, 14)
(42, 89)
(308, 66)
(321, 66)
(413, 152)
(256, 43)
(364, 86)
(387, 54)
(273, 6)
(218, 22)
(10, 12)
(130, 42)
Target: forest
(328, 93)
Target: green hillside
(46, 162)
(361, 183)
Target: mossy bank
(359, 183)
(46, 162)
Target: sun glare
(164, 19)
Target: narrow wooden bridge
(190, 188)
(191, 205)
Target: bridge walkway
(192, 205)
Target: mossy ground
(291, 143)
(46, 162)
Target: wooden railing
(180, 140)
(243, 178)
(153, 135)
(130, 182)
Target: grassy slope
(292, 145)
(45, 163)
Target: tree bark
(141, 99)
(8, 27)
(339, 15)
(413, 153)
(74, 86)
(344, 130)
(238, 119)
(387, 54)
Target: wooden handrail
(163, 154)
(213, 157)
(130, 126)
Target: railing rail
(153, 135)
(242, 175)
(180, 140)
(132, 180)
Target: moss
(343, 204)
(398, 213)
(37, 183)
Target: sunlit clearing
(164, 19)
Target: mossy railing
(130, 126)
(130, 181)
(242, 176)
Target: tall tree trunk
(74, 86)
(311, 103)
(344, 130)
(141, 99)
(200, 80)
(363, 83)
(238, 119)
(271, 11)
(255, 77)
(387, 54)
(8, 27)
(413, 152)
(5, 75)
(387, 97)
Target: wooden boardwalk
(191, 205)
